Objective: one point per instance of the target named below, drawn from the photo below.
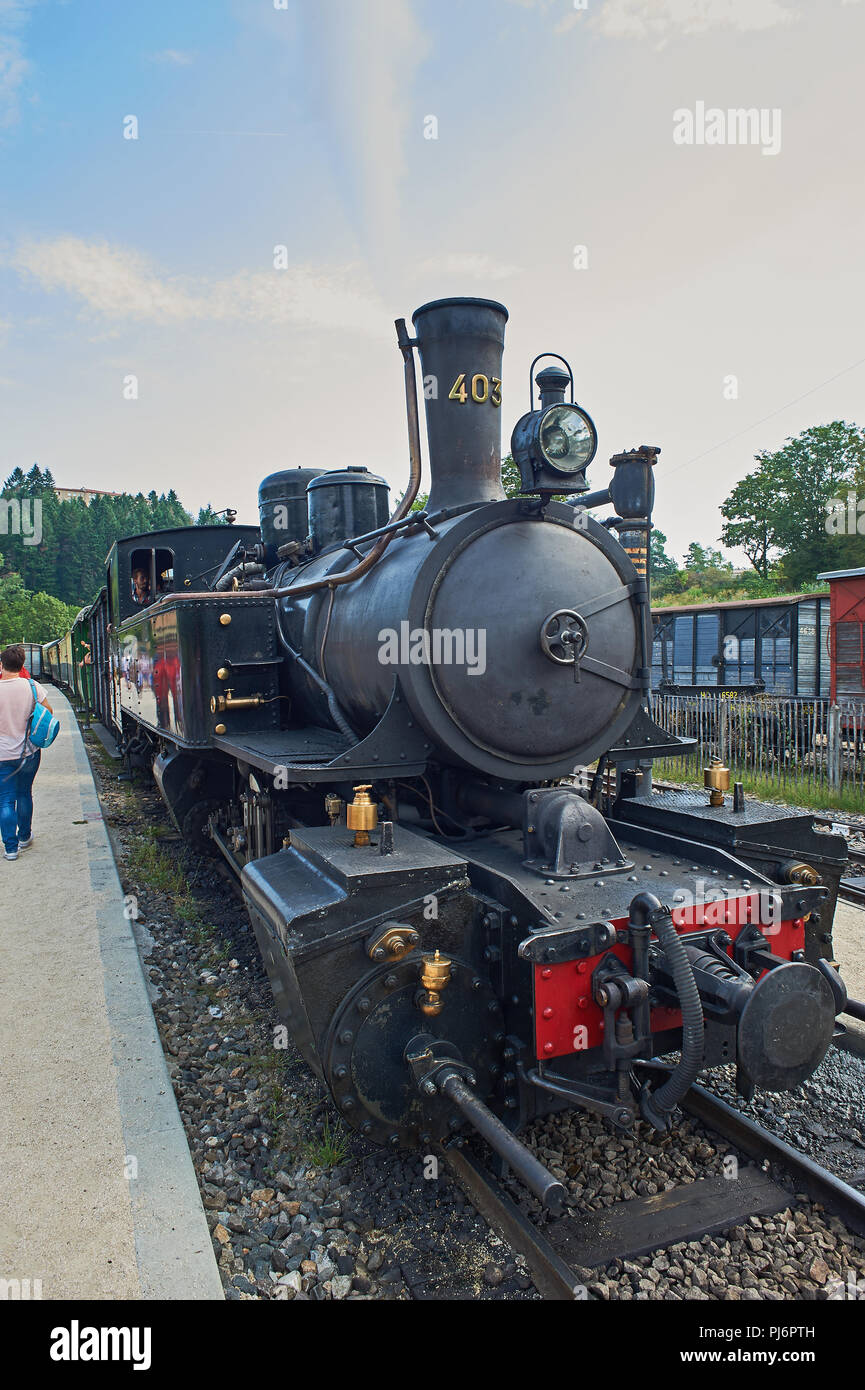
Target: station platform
(848, 936)
(98, 1197)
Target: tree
(746, 514)
(661, 563)
(664, 576)
(781, 507)
(75, 538)
(511, 480)
(208, 517)
(700, 558)
(29, 617)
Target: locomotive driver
(141, 587)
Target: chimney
(460, 342)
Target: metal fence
(791, 744)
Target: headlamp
(567, 438)
(554, 445)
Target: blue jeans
(16, 799)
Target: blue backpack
(43, 727)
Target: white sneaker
(25, 844)
(13, 855)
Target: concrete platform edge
(172, 1240)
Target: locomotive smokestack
(461, 343)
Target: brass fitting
(392, 941)
(219, 703)
(434, 979)
(796, 872)
(333, 806)
(223, 673)
(716, 779)
(362, 814)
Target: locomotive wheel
(363, 1055)
(194, 827)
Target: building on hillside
(87, 494)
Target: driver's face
(139, 580)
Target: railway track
(559, 1252)
(853, 890)
(852, 885)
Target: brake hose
(657, 1106)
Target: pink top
(16, 705)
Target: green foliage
(29, 617)
(69, 561)
(330, 1148)
(511, 481)
(746, 512)
(662, 565)
(700, 558)
(795, 791)
(705, 577)
(208, 517)
(780, 509)
(153, 868)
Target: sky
(214, 298)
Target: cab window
(151, 574)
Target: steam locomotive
(380, 721)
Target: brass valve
(434, 978)
(219, 703)
(333, 807)
(362, 814)
(716, 779)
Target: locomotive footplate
(678, 871)
(764, 836)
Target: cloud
(361, 60)
(661, 19)
(119, 284)
(14, 67)
(476, 264)
(175, 56)
(658, 19)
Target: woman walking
(18, 767)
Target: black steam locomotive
(377, 719)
